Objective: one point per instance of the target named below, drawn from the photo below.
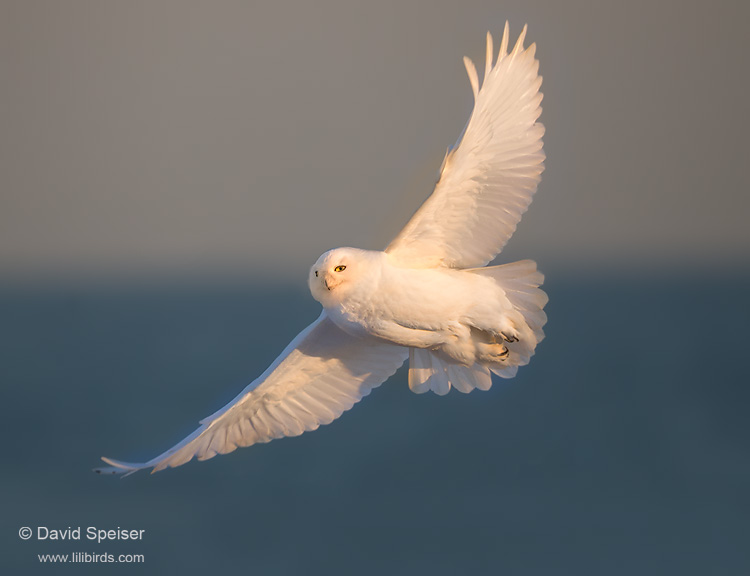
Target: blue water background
(623, 448)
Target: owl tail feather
(428, 371)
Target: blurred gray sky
(151, 138)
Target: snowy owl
(429, 297)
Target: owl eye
(339, 268)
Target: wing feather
(488, 179)
(321, 374)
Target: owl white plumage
(428, 297)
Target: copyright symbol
(25, 533)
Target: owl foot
(492, 352)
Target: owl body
(464, 316)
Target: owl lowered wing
(487, 181)
(322, 373)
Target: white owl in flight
(428, 297)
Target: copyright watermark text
(91, 533)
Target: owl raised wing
(487, 181)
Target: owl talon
(492, 352)
(509, 338)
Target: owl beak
(331, 281)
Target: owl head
(336, 273)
